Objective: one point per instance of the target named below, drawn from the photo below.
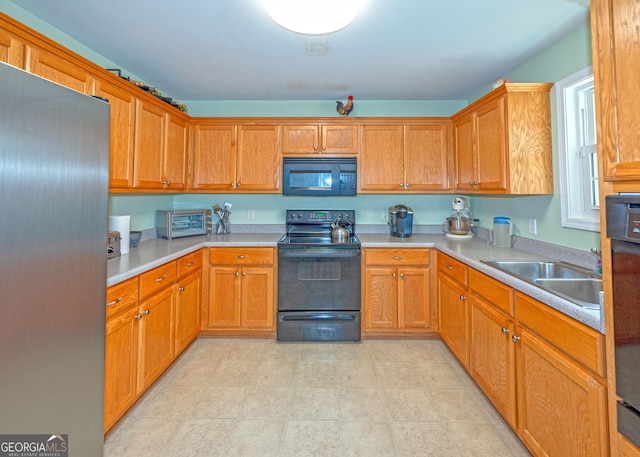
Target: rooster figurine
(345, 109)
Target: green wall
(569, 55)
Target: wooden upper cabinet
(213, 157)
(12, 49)
(319, 139)
(381, 162)
(149, 146)
(258, 160)
(59, 70)
(503, 142)
(428, 157)
(616, 65)
(123, 108)
(160, 148)
(175, 153)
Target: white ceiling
(394, 50)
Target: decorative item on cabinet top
(152, 90)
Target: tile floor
(260, 398)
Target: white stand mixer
(459, 224)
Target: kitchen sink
(573, 283)
(585, 291)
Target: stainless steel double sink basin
(578, 285)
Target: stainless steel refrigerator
(54, 163)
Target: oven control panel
(319, 216)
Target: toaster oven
(178, 223)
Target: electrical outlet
(533, 226)
(383, 215)
(251, 214)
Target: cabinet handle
(181, 289)
(515, 338)
(166, 183)
(190, 264)
(240, 256)
(397, 257)
(117, 300)
(449, 267)
(505, 331)
(161, 278)
(463, 298)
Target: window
(577, 149)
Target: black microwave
(319, 176)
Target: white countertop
(155, 252)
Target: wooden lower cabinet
(241, 290)
(396, 292)
(562, 408)
(151, 319)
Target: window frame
(575, 186)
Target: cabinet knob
(463, 298)
(315, 148)
(190, 264)
(324, 148)
(232, 185)
(402, 275)
(117, 300)
(505, 331)
(449, 267)
(407, 185)
(138, 316)
(238, 185)
(401, 185)
(166, 183)
(237, 273)
(244, 273)
(515, 338)
(181, 289)
(393, 275)
(145, 312)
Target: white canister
(502, 232)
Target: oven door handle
(319, 316)
(319, 253)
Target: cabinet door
(380, 308)
(59, 70)
(187, 323)
(121, 359)
(414, 310)
(175, 153)
(149, 146)
(224, 297)
(466, 169)
(214, 157)
(12, 50)
(616, 66)
(258, 166)
(491, 146)
(427, 157)
(300, 139)
(156, 337)
(562, 409)
(121, 133)
(381, 164)
(257, 300)
(453, 317)
(492, 356)
(339, 139)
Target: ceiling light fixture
(313, 17)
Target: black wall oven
(623, 227)
(318, 279)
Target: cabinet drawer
(189, 263)
(122, 296)
(497, 293)
(570, 336)
(378, 256)
(154, 280)
(456, 270)
(241, 255)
